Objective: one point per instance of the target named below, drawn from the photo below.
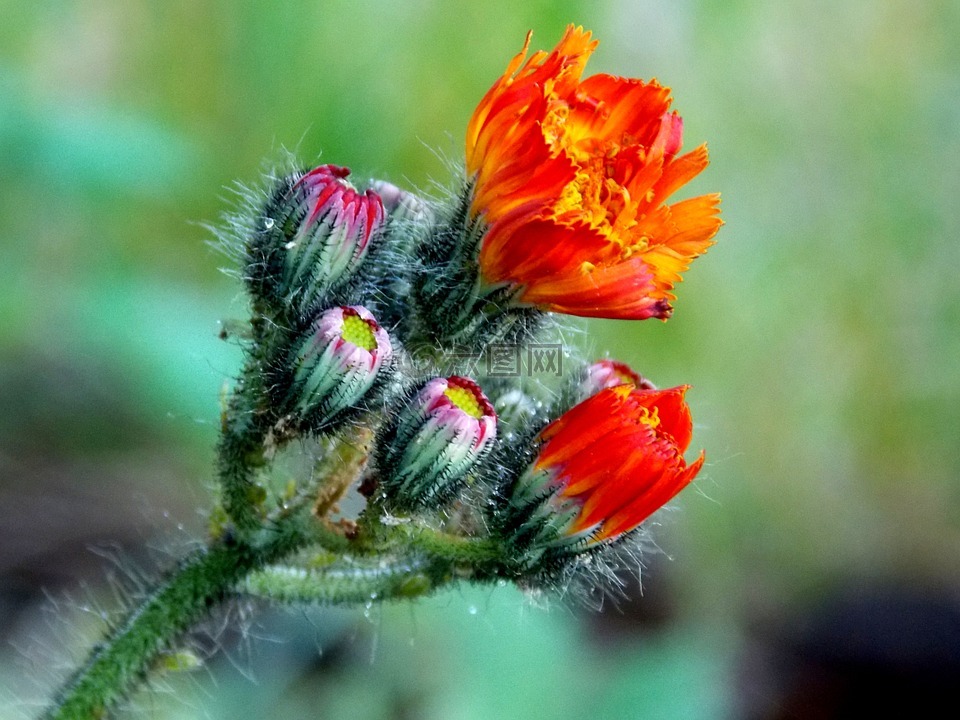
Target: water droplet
(268, 223)
(472, 609)
(501, 583)
(290, 245)
(373, 596)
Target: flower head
(606, 465)
(438, 438)
(317, 230)
(572, 176)
(337, 362)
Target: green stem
(354, 583)
(406, 562)
(239, 492)
(201, 582)
(480, 559)
(241, 451)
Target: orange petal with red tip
(645, 505)
(672, 410)
(582, 426)
(621, 291)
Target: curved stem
(198, 584)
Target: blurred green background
(821, 335)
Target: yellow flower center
(650, 419)
(593, 195)
(356, 330)
(464, 399)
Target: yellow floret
(356, 330)
(466, 400)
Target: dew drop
(268, 223)
(472, 609)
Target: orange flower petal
(622, 291)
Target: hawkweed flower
(570, 179)
(317, 229)
(603, 467)
(435, 441)
(336, 363)
(611, 373)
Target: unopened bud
(437, 439)
(315, 233)
(337, 363)
(400, 204)
(605, 374)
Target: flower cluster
(368, 302)
(371, 309)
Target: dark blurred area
(812, 569)
(865, 651)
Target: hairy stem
(353, 583)
(478, 559)
(198, 584)
(407, 562)
(240, 452)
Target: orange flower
(611, 461)
(571, 177)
